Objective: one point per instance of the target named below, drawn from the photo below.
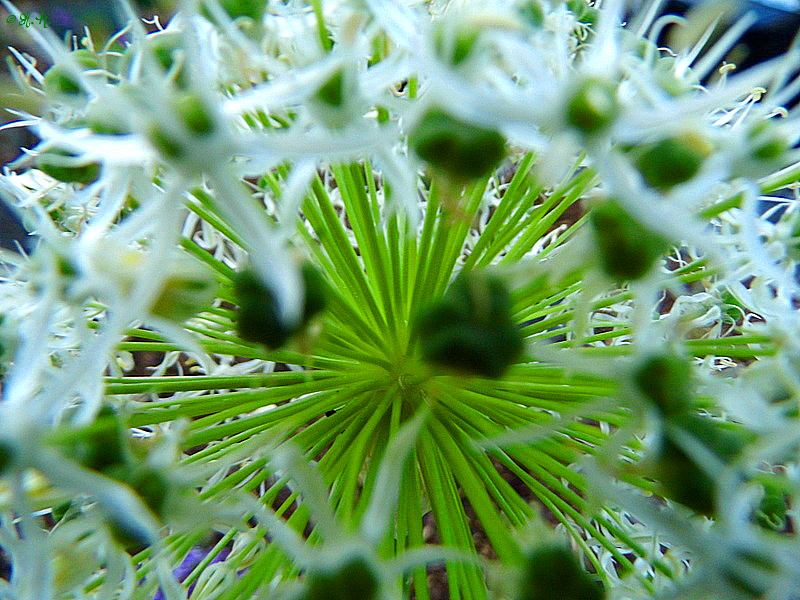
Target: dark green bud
(767, 141)
(533, 13)
(771, 511)
(151, 486)
(165, 48)
(6, 457)
(48, 163)
(166, 144)
(195, 115)
(593, 106)
(354, 578)
(59, 80)
(315, 286)
(461, 150)
(332, 91)
(673, 160)
(679, 475)
(627, 250)
(189, 288)
(665, 380)
(553, 571)
(583, 12)
(750, 573)
(471, 328)
(105, 124)
(456, 47)
(101, 446)
(258, 320)
(252, 9)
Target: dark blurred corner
(66, 19)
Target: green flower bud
(334, 102)
(456, 47)
(627, 250)
(6, 457)
(165, 48)
(189, 288)
(593, 106)
(165, 143)
(665, 381)
(104, 123)
(151, 486)
(315, 286)
(771, 511)
(352, 578)
(583, 12)
(766, 141)
(101, 446)
(194, 114)
(471, 329)
(461, 150)
(553, 571)
(678, 474)
(533, 13)
(48, 162)
(59, 80)
(673, 160)
(252, 9)
(128, 535)
(332, 92)
(666, 77)
(258, 320)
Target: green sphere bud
(461, 150)
(59, 80)
(6, 457)
(165, 143)
(252, 9)
(195, 115)
(665, 381)
(627, 250)
(533, 13)
(455, 48)
(101, 446)
(48, 162)
(165, 48)
(767, 141)
(553, 571)
(593, 106)
(772, 510)
(354, 578)
(471, 328)
(680, 477)
(332, 91)
(750, 573)
(673, 160)
(189, 288)
(258, 319)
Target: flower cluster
(441, 251)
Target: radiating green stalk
(515, 193)
(451, 520)
(420, 266)
(327, 226)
